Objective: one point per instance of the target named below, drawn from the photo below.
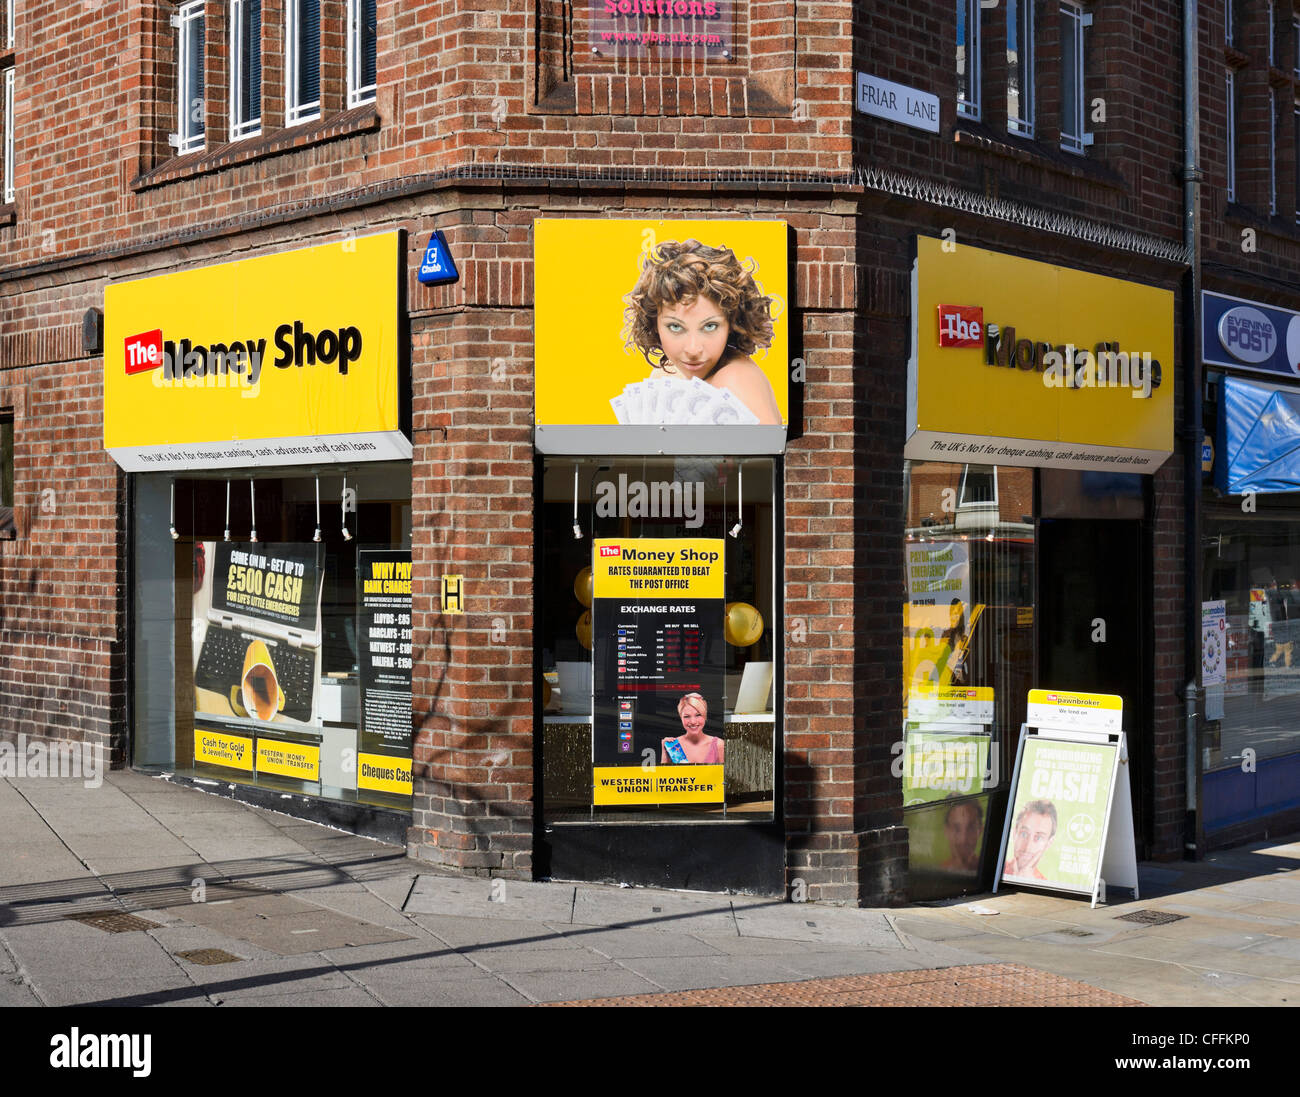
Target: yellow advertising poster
(1017, 362)
(215, 748)
(298, 760)
(281, 359)
(384, 773)
(658, 568)
(661, 785)
(651, 326)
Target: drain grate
(1151, 917)
(112, 921)
(206, 957)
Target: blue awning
(1259, 438)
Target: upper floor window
(188, 22)
(1020, 67)
(1295, 39)
(968, 58)
(302, 66)
(1295, 116)
(1074, 103)
(1272, 36)
(9, 24)
(1230, 22)
(361, 52)
(245, 68)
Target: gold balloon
(546, 693)
(583, 629)
(744, 624)
(582, 586)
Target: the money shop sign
(281, 359)
(629, 362)
(1017, 362)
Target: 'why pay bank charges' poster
(657, 617)
(384, 662)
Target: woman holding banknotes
(696, 312)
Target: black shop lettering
(299, 347)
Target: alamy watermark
(41, 758)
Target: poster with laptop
(257, 632)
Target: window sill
(1023, 150)
(348, 123)
(1279, 225)
(8, 214)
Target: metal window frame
(357, 92)
(10, 16)
(8, 192)
(186, 139)
(1272, 35)
(1272, 154)
(1295, 116)
(295, 113)
(1023, 124)
(1078, 139)
(970, 106)
(240, 127)
(1232, 135)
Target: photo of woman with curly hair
(697, 312)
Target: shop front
(661, 409)
(1040, 403)
(1249, 757)
(258, 410)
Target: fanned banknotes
(682, 401)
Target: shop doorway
(1094, 627)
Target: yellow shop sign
(1017, 362)
(282, 359)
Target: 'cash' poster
(1059, 819)
(384, 664)
(657, 625)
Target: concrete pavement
(233, 905)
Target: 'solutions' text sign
(658, 646)
(384, 661)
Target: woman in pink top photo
(693, 746)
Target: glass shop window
(657, 635)
(968, 658)
(272, 639)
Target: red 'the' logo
(610, 550)
(144, 351)
(961, 326)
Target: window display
(273, 645)
(657, 622)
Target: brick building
(301, 132)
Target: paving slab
(641, 908)
(509, 900)
(559, 986)
(824, 925)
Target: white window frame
(358, 93)
(9, 23)
(7, 194)
(1228, 11)
(1074, 131)
(186, 139)
(295, 112)
(1022, 122)
(1272, 35)
(970, 106)
(1295, 37)
(240, 127)
(1232, 135)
